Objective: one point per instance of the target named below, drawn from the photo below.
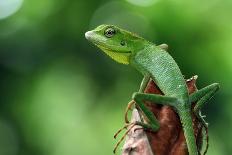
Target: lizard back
(163, 69)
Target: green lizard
(156, 63)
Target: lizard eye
(110, 32)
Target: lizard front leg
(143, 86)
(139, 98)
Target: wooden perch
(169, 139)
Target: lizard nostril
(123, 43)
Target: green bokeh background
(59, 95)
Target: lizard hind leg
(201, 97)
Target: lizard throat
(120, 57)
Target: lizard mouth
(112, 50)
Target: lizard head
(117, 43)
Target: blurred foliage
(61, 96)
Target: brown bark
(169, 139)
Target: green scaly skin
(156, 63)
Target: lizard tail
(186, 121)
(207, 140)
